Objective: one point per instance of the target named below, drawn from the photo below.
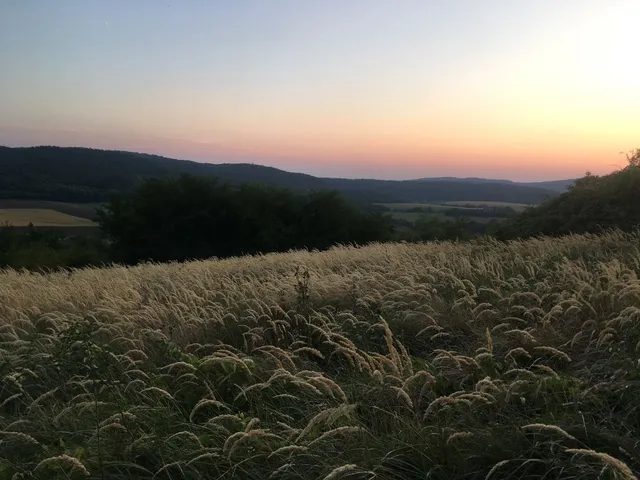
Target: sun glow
(550, 89)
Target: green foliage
(481, 212)
(429, 227)
(196, 217)
(423, 222)
(38, 249)
(593, 204)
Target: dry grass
(440, 360)
(40, 217)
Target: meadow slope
(440, 360)
(40, 217)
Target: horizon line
(266, 165)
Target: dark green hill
(82, 175)
(592, 204)
(90, 175)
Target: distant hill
(82, 175)
(555, 185)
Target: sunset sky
(525, 90)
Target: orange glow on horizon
(539, 91)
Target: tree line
(194, 217)
(199, 217)
(186, 217)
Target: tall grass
(394, 361)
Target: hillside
(593, 204)
(478, 360)
(41, 217)
(82, 210)
(81, 175)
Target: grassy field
(477, 360)
(403, 207)
(481, 204)
(463, 205)
(82, 210)
(475, 211)
(413, 216)
(41, 217)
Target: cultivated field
(475, 211)
(82, 210)
(518, 207)
(414, 216)
(40, 217)
(461, 204)
(441, 361)
(435, 207)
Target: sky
(394, 89)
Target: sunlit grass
(396, 361)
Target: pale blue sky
(392, 89)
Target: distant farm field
(481, 212)
(403, 207)
(413, 216)
(41, 217)
(460, 204)
(82, 210)
(482, 204)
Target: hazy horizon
(308, 172)
(341, 88)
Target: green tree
(197, 217)
(430, 227)
(592, 204)
(170, 219)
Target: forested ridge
(82, 175)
